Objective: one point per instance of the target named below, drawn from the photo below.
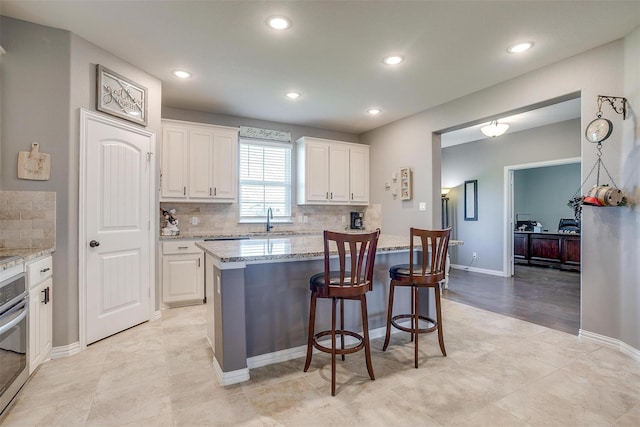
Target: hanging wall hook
(613, 100)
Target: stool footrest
(339, 332)
(394, 322)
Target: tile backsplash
(222, 219)
(27, 219)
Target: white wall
(598, 71)
(629, 232)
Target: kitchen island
(257, 296)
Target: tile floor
(499, 371)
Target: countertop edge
(22, 256)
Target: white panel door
(118, 194)
(339, 173)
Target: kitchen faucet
(269, 216)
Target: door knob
(94, 243)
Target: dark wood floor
(542, 296)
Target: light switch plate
(422, 206)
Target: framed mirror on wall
(471, 200)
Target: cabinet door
(359, 175)
(317, 172)
(40, 324)
(182, 278)
(200, 164)
(46, 320)
(174, 162)
(225, 160)
(339, 173)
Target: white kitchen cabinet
(359, 174)
(332, 172)
(199, 162)
(40, 286)
(182, 273)
(175, 151)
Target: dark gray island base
(258, 299)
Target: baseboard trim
(611, 343)
(478, 270)
(232, 377)
(66, 350)
(157, 315)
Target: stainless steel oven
(14, 307)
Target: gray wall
(543, 192)
(35, 78)
(485, 160)
(610, 236)
(47, 75)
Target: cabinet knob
(44, 270)
(94, 243)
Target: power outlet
(344, 219)
(474, 255)
(194, 220)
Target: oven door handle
(13, 317)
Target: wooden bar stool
(428, 273)
(350, 282)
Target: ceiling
(554, 113)
(333, 52)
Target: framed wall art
(120, 97)
(471, 200)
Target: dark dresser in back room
(557, 250)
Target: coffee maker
(356, 221)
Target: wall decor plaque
(120, 97)
(268, 134)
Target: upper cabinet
(332, 172)
(199, 162)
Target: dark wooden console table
(558, 250)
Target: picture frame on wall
(471, 200)
(119, 96)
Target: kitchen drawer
(180, 247)
(39, 270)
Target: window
(265, 179)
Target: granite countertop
(293, 247)
(21, 256)
(204, 235)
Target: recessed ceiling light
(393, 59)
(520, 47)
(292, 95)
(182, 74)
(374, 111)
(279, 22)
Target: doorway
(511, 214)
(488, 241)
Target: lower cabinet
(182, 273)
(40, 286)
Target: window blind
(265, 179)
